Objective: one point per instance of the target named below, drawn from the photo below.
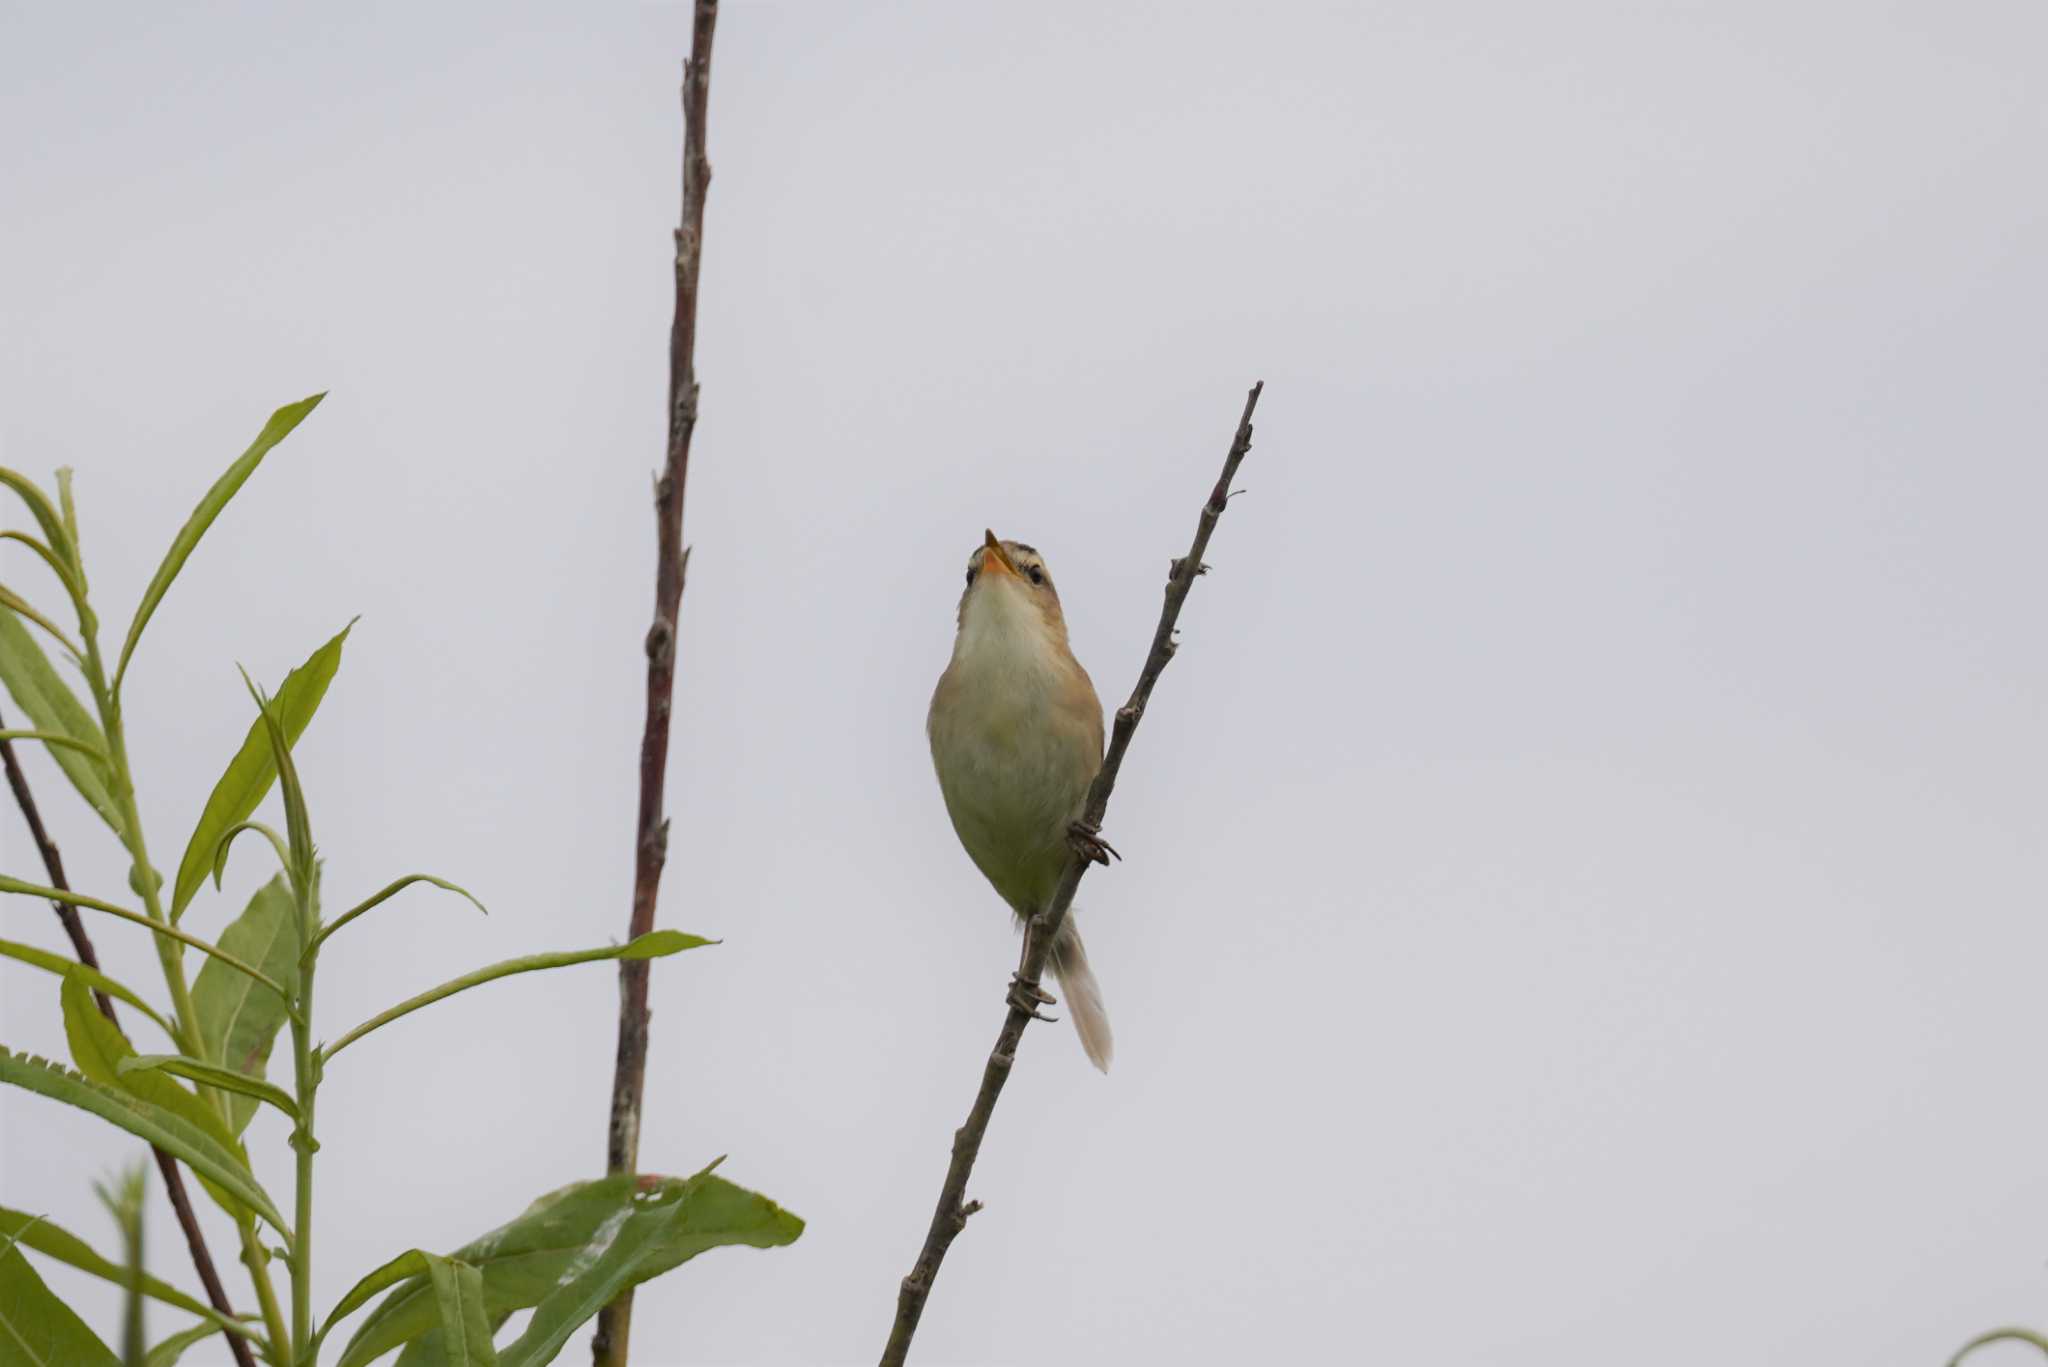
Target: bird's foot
(1088, 843)
(1028, 997)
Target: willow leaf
(201, 1152)
(655, 944)
(276, 430)
(253, 769)
(50, 705)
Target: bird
(1016, 739)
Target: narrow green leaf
(57, 738)
(47, 517)
(220, 855)
(51, 706)
(239, 1017)
(70, 510)
(39, 1234)
(251, 772)
(407, 1265)
(122, 1195)
(2026, 1336)
(431, 1349)
(276, 430)
(213, 951)
(99, 1049)
(298, 826)
(567, 1307)
(213, 1075)
(203, 1153)
(653, 945)
(49, 557)
(167, 1353)
(39, 1330)
(14, 602)
(459, 1301)
(98, 981)
(397, 886)
(568, 1231)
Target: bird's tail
(1083, 998)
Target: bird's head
(1010, 580)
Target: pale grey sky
(1585, 872)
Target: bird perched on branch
(1016, 735)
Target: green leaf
(389, 890)
(56, 738)
(203, 1153)
(407, 1265)
(36, 1328)
(167, 1353)
(52, 1242)
(213, 1075)
(565, 1234)
(253, 769)
(14, 602)
(653, 945)
(47, 517)
(582, 1296)
(298, 827)
(220, 855)
(459, 1301)
(70, 510)
(98, 981)
(276, 430)
(2026, 1336)
(99, 1049)
(15, 885)
(51, 706)
(48, 557)
(239, 1017)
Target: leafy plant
(564, 1257)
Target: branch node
(661, 639)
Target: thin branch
(81, 944)
(650, 849)
(951, 1215)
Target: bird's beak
(994, 557)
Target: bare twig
(951, 1215)
(81, 945)
(614, 1323)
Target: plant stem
(256, 1258)
(304, 1145)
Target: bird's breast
(1014, 761)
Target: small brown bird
(1016, 735)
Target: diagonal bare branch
(950, 1217)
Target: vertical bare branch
(81, 945)
(614, 1323)
(951, 1215)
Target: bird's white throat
(1004, 632)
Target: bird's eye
(1037, 574)
(971, 570)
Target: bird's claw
(1088, 843)
(1028, 997)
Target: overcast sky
(1585, 871)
